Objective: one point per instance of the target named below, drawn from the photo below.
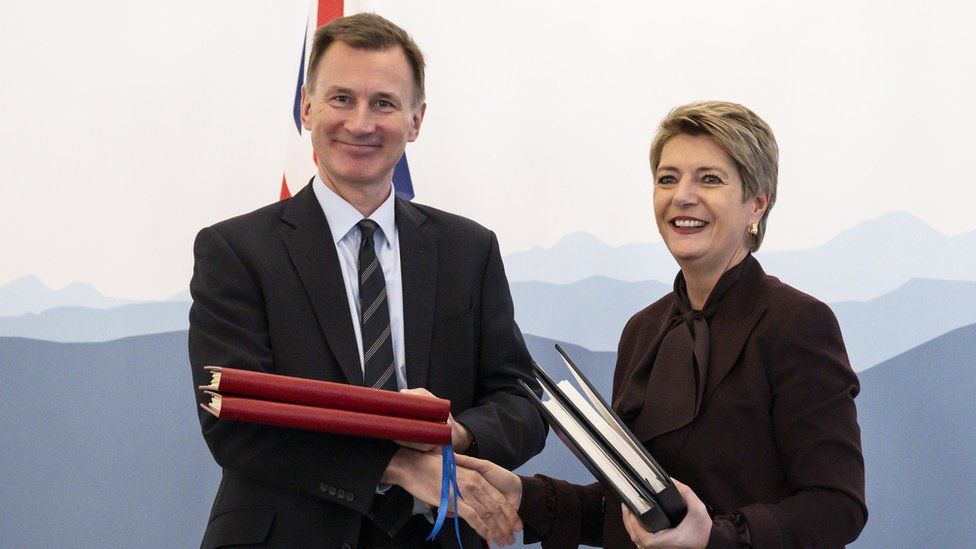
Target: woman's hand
(693, 531)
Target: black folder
(597, 437)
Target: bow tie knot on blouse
(666, 393)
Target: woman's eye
(666, 180)
(712, 179)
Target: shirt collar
(342, 216)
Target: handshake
(491, 494)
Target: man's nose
(360, 120)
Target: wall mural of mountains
(28, 294)
(102, 446)
(862, 263)
(590, 312)
(918, 430)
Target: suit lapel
(418, 275)
(313, 253)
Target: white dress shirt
(343, 217)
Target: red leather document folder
(326, 394)
(327, 420)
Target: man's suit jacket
(268, 295)
(776, 439)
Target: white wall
(125, 127)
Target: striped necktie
(374, 314)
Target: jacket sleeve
(561, 514)
(505, 424)
(229, 327)
(818, 438)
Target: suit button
(341, 494)
(346, 546)
(332, 490)
(323, 487)
(350, 497)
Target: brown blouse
(772, 447)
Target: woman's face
(698, 205)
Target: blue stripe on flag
(402, 183)
(297, 109)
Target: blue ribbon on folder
(448, 481)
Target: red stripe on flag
(285, 193)
(329, 10)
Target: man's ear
(416, 120)
(305, 107)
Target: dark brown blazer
(268, 295)
(776, 440)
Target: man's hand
(461, 437)
(484, 507)
(693, 531)
(505, 481)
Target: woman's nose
(685, 192)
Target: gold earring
(753, 229)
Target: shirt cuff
(420, 508)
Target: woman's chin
(686, 254)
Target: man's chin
(360, 180)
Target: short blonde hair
(744, 136)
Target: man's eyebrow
(386, 95)
(338, 89)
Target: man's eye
(666, 180)
(384, 104)
(342, 99)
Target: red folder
(326, 394)
(337, 408)
(342, 422)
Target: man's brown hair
(367, 31)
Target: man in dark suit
(345, 282)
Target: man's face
(361, 115)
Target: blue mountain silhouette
(590, 313)
(28, 294)
(593, 311)
(916, 312)
(81, 324)
(864, 262)
(102, 445)
(918, 428)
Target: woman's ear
(759, 204)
